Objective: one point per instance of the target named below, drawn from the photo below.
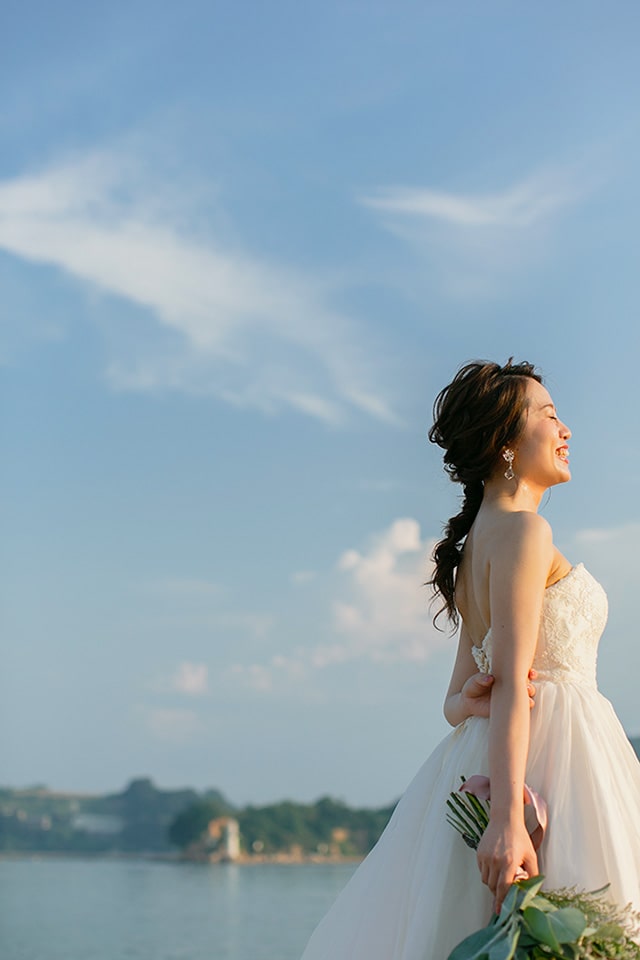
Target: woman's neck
(512, 495)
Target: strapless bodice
(574, 614)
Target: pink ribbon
(535, 819)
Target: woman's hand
(475, 696)
(505, 853)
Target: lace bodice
(574, 613)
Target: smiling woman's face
(542, 451)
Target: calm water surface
(57, 909)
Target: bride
(520, 606)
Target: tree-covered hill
(136, 820)
(325, 828)
(144, 819)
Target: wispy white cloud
(187, 602)
(611, 554)
(303, 576)
(280, 670)
(186, 588)
(473, 242)
(191, 679)
(371, 485)
(624, 534)
(257, 625)
(171, 725)
(229, 324)
(380, 614)
(386, 613)
(256, 676)
(521, 205)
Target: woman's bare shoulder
(522, 537)
(523, 525)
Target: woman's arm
(473, 700)
(466, 685)
(469, 693)
(518, 576)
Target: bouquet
(562, 924)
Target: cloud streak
(521, 205)
(386, 616)
(228, 324)
(191, 679)
(170, 725)
(473, 243)
(380, 614)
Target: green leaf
(461, 810)
(573, 951)
(528, 891)
(530, 886)
(608, 931)
(541, 903)
(481, 810)
(464, 820)
(529, 882)
(460, 823)
(463, 828)
(568, 924)
(509, 903)
(505, 948)
(539, 926)
(473, 947)
(478, 945)
(526, 940)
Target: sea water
(85, 909)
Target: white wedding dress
(419, 893)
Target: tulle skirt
(419, 892)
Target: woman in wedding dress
(520, 605)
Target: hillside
(143, 819)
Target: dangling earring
(509, 456)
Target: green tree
(189, 825)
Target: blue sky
(242, 246)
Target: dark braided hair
(474, 418)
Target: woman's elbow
(451, 712)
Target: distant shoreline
(254, 861)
